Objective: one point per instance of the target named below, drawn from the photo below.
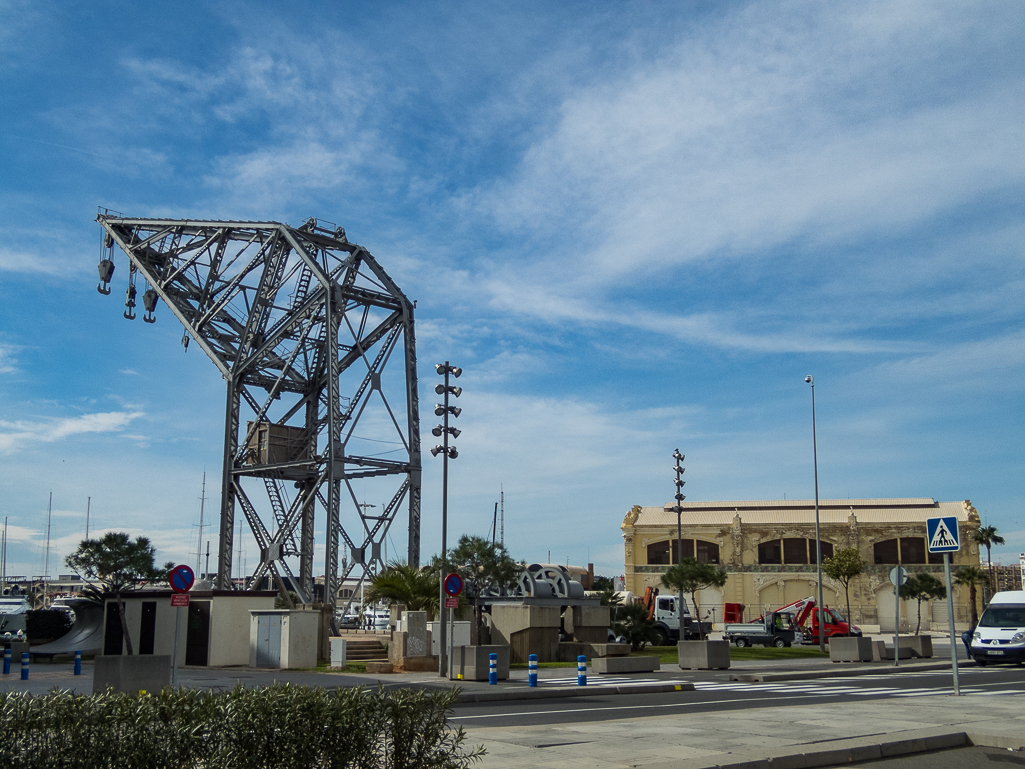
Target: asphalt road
(714, 695)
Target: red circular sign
(453, 584)
(182, 578)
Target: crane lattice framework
(291, 317)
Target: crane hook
(106, 268)
(149, 301)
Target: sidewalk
(800, 736)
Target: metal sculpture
(291, 317)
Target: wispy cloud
(18, 434)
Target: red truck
(806, 619)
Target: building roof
(800, 511)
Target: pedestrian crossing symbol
(943, 535)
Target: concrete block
(905, 652)
(850, 649)
(920, 645)
(131, 673)
(337, 653)
(610, 650)
(417, 665)
(379, 668)
(472, 663)
(602, 665)
(703, 655)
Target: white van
(1000, 636)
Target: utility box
(274, 444)
(283, 639)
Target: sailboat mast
(46, 563)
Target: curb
(846, 751)
(541, 693)
(846, 672)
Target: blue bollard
(581, 670)
(492, 668)
(7, 662)
(532, 670)
(24, 666)
(78, 663)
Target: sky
(637, 227)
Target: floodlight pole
(443, 410)
(818, 539)
(679, 541)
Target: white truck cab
(1000, 635)
(667, 620)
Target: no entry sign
(182, 578)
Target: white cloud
(18, 434)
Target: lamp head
(809, 379)
(437, 431)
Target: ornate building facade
(768, 549)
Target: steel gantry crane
(302, 325)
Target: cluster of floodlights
(444, 409)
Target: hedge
(279, 726)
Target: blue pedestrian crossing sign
(942, 534)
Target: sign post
(898, 576)
(453, 587)
(943, 536)
(181, 580)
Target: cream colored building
(768, 550)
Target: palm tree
(987, 537)
(413, 586)
(971, 577)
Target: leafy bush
(279, 726)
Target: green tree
(416, 587)
(486, 568)
(987, 537)
(844, 566)
(603, 583)
(922, 586)
(119, 565)
(971, 577)
(633, 624)
(690, 576)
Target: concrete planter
(472, 663)
(704, 655)
(850, 649)
(131, 674)
(920, 645)
(603, 665)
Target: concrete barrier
(472, 663)
(920, 645)
(703, 655)
(131, 673)
(379, 668)
(850, 649)
(603, 665)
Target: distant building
(1007, 577)
(768, 549)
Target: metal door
(268, 640)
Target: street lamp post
(818, 539)
(679, 538)
(448, 452)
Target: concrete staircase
(364, 649)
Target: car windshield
(1003, 616)
(837, 616)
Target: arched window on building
(791, 551)
(910, 550)
(665, 552)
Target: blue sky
(637, 226)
